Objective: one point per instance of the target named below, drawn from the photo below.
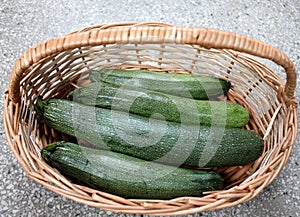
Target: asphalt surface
(25, 23)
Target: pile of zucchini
(150, 134)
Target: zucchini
(150, 139)
(148, 103)
(127, 176)
(184, 85)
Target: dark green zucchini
(152, 139)
(185, 85)
(149, 103)
(127, 176)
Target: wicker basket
(52, 68)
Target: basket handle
(152, 33)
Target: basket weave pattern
(54, 67)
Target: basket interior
(254, 85)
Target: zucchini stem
(39, 108)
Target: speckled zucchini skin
(165, 142)
(127, 176)
(146, 103)
(185, 85)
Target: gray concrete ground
(24, 23)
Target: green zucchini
(148, 103)
(150, 139)
(185, 85)
(127, 176)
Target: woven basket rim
(154, 33)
